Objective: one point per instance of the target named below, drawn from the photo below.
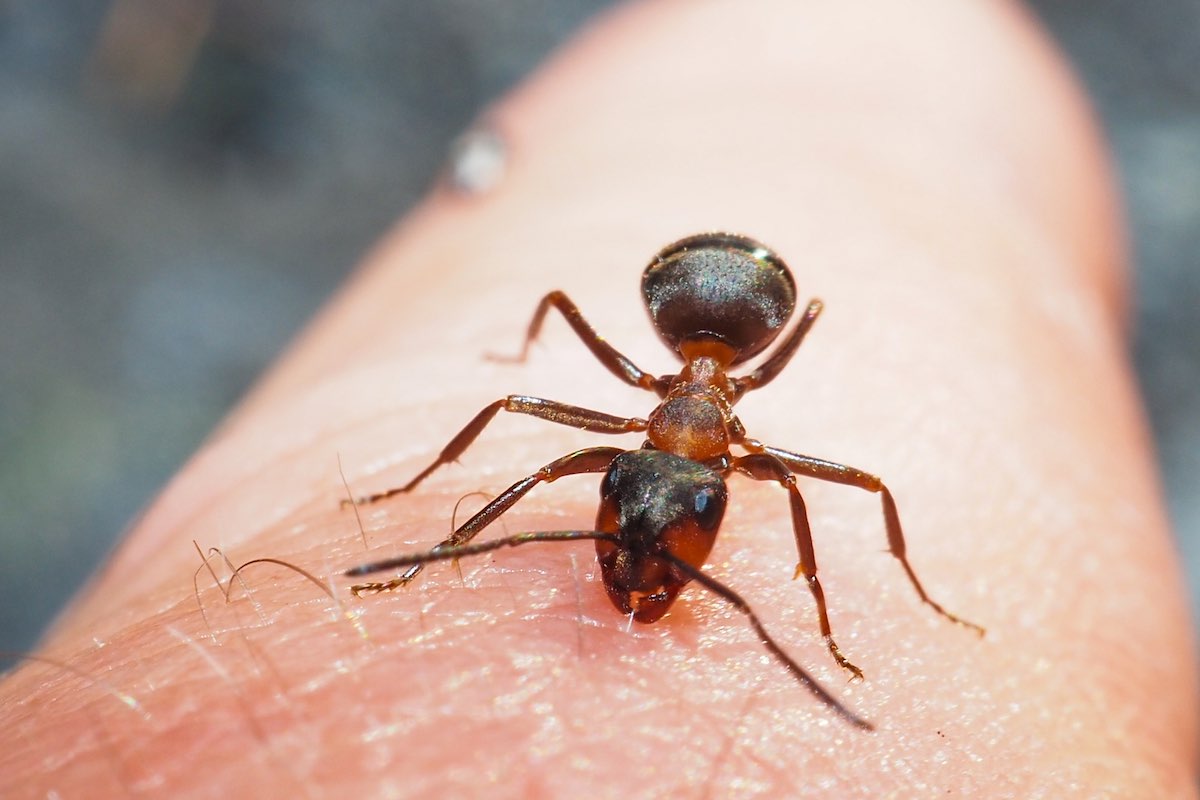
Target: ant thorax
(694, 419)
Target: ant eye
(709, 508)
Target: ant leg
(769, 369)
(849, 476)
(549, 410)
(593, 459)
(765, 467)
(605, 353)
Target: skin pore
(930, 171)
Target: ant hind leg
(613, 360)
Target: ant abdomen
(721, 286)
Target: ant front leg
(549, 410)
(765, 467)
(593, 459)
(849, 476)
(616, 362)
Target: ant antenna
(711, 584)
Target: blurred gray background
(182, 183)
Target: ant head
(719, 287)
(655, 502)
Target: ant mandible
(717, 300)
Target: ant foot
(400, 581)
(856, 674)
(360, 589)
(979, 629)
(957, 620)
(370, 499)
(499, 358)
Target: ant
(717, 300)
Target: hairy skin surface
(929, 170)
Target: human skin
(930, 171)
